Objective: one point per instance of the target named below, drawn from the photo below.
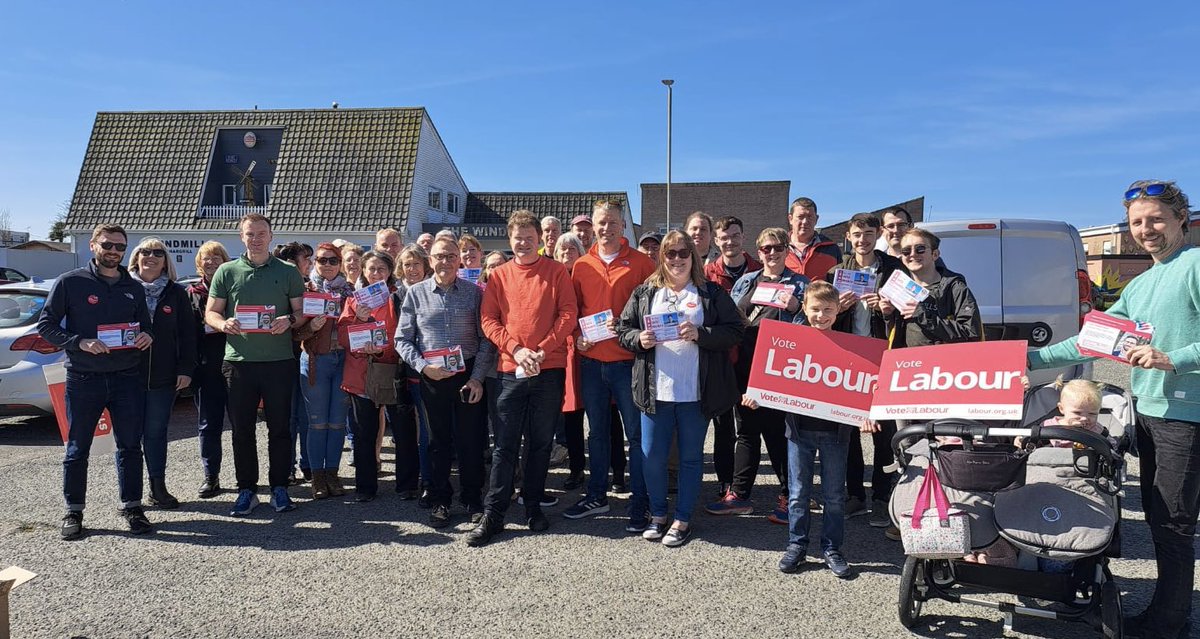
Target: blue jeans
(159, 402)
(299, 427)
(88, 394)
(657, 432)
(208, 391)
(602, 382)
(802, 449)
(523, 407)
(326, 405)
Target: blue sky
(1016, 109)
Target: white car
(22, 351)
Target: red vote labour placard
(825, 374)
(976, 380)
(56, 383)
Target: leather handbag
(381, 383)
(932, 529)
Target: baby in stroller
(1079, 404)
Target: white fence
(229, 212)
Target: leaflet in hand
(470, 274)
(255, 319)
(447, 359)
(372, 296)
(363, 335)
(595, 327)
(770, 294)
(664, 325)
(317, 304)
(858, 282)
(118, 336)
(901, 290)
(1103, 335)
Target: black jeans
(881, 480)
(210, 394)
(402, 420)
(454, 424)
(724, 444)
(1170, 460)
(573, 426)
(755, 427)
(524, 407)
(272, 383)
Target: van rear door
(1041, 287)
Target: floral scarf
(154, 289)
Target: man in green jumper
(1166, 382)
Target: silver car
(22, 351)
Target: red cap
(581, 219)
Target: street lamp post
(668, 83)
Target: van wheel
(910, 600)
(1110, 610)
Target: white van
(1028, 276)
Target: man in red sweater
(604, 280)
(810, 253)
(528, 311)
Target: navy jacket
(79, 301)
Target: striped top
(432, 317)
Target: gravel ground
(340, 569)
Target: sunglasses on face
(114, 246)
(1149, 190)
(672, 254)
(919, 249)
(329, 261)
(149, 252)
(772, 248)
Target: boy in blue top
(805, 437)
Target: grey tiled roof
(494, 208)
(338, 169)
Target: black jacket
(78, 302)
(173, 352)
(949, 315)
(211, 350)
(722, 330)
(879, 324)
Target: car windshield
(20, 309)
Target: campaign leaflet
(317, 304)
(595, 327)
(1110, 337)
(363, 335)
(665, 326)
(901, 290)
(447, 359)
(255, 319)
(858, 282)
(118, 336)
(768, 294)
(372, 296)
(470, 274)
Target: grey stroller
(1061, 512)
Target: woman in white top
(680, 328)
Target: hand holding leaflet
(665, 326)
(769, 294)
(858, 282)
(1110, 337)
(372, 296)
(595, 327)
(903, 291)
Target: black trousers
(754, 428)
(402, 421)
(524, 408)
(455, 427)
(724, 444)
(247, 384)
(1170, 484)
(366, 433)
(881, 458)
(573, 426)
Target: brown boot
(320, 484)
(334, 483)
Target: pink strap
(931, 486)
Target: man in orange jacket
(810, 254)
(604, 279)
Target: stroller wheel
(1110, 610)
(910, 600)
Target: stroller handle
(967, 429)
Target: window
(229, 194)
(1108, 246)
(452, 203)
(435, 199)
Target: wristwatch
(291, 318)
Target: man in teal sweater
(1166, 382)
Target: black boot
(210, 488)
(159, 495)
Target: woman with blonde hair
(168, 367)
(208, 383)
(352, 255)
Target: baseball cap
(650, 236)
(581, 219)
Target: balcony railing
(228, 212)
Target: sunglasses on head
(149, 252)
(919, 249)
(114, 246)
(672, 254)
(772, 248)
(1154, 189)
(329, 261)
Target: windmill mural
(246, 184)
